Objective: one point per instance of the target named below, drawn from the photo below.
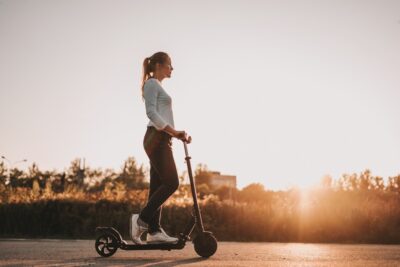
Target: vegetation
(353, 208)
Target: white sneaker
(136, 230)
(160, 237)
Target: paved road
(48, 252)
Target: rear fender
(109, 230)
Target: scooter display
(109, 240)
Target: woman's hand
(182, 135)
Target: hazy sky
(276, 92)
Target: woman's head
(157, 66)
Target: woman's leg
(155, 183)
(162, 161)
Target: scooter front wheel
(205, 244)
(106, 245)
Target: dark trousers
(163, 175)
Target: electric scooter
(109, 240)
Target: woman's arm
(171, 131)
(177, 134)
(150, 96)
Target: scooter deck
(145, 246)
(157, 246)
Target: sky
(275, 92)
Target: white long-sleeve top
(158, 105)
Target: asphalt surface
(49, 252)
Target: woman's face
(166, 69)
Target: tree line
(353, 208)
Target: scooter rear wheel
(106, 245)
(205, 244)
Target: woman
(157, 144)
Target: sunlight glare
(305, 200)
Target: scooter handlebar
(187, 140)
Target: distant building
(218, 180)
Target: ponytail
(146, 72)
(149, 65)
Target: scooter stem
(199, 220)
(186, 149)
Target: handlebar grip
(188, 140)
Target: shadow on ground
(162, 262)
